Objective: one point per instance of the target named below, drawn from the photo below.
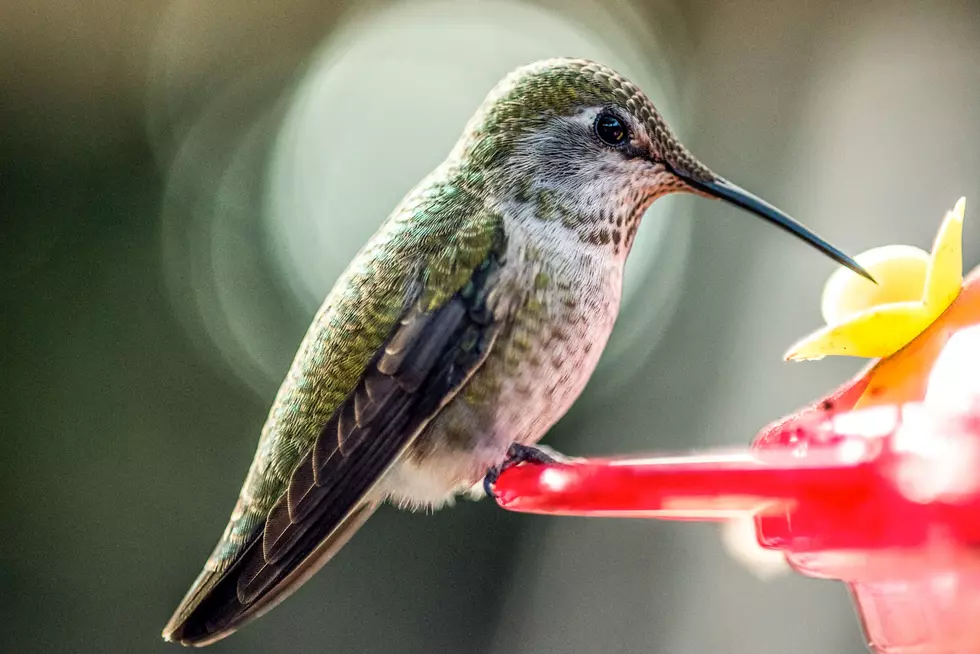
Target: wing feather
(417, 369)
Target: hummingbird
(462, 331)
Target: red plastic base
(877, 485)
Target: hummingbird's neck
(594, 216)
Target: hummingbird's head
(573, 139)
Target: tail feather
(220, 612)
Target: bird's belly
(540, 385)
(537, 368)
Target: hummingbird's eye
(610, 129)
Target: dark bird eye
(610, 129)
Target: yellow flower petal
(946, 272)
(877, 332)
(901, 274)
(914, 289)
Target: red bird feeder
(876, 485)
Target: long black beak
(725, 190)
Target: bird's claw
(516, 455)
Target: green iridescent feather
(425, 253)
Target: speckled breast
(558, 305)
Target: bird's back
(422, 254)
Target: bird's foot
(516, 455)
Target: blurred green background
(181, 182)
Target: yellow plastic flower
(914, 288)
